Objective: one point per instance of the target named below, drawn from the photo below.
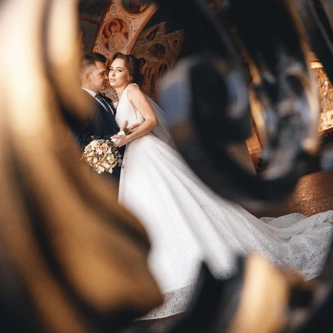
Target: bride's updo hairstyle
(133, 65)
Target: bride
(186, 221)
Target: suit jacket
(100, 125)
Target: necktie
(105, 104)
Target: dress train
(188, 223)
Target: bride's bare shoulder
(133, 91)
(133, 87)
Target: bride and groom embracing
(187, 223)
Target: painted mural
(158, 51)
(121, 25)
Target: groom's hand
(122, 138)
(133, 127)
(130, 129)
(124, 126)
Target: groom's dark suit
(100, 125)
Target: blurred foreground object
(317, 19)
(259, 298)
(208, 97)
(71, 259)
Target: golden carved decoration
(325, 89)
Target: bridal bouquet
(102, 155)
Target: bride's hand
(120, 139)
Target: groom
(101, 123)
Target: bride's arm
(139, 102)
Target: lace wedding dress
(187, 222)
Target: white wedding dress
(187, 222)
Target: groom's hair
(90, 59)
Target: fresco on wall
(90, 15)
(158, 51)
(121, 26)
(115, 35)
(87, 34)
